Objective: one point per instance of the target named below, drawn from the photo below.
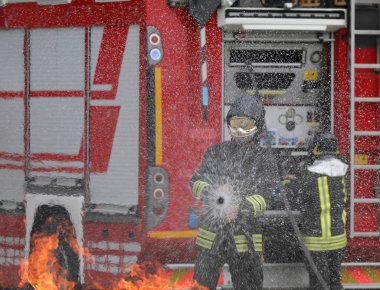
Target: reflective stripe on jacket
(326, 243)
(205, 239)
(198, 187)
(322, 197)
(258, 203)
(242, 243)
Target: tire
(68, 261)
(65, 266)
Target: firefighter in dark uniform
(322, 197)
(235, 181)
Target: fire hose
(301, 241)
(221, 200)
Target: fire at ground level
(49, 267)
(54, 262)
(152, 276)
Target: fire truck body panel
(56, 112)
(12, 110)
(181, 111)
(98, 122)
(49, 136)
(114, 172)
(12, 248)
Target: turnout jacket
(322, 197)
(251, 171)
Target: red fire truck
(107, 106)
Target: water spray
(221, 204)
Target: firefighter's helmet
(324, 144)
(246, 117)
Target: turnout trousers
(328, 264)
(245, 268)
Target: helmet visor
(242, 127)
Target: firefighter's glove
(201, 189)
(254, 205)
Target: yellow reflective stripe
(258, 203)
(243, 239)
(255, 204)
(158, 106)
(198, 186)
(261, 200)
(324, 199)
(240, 239)
(203, 243)
(328, 206)
(241, 248)
(325, 240)
(172, 234)
(205, 238)
(326, 243)
(242, 244)
(326, 248)
(322, 204)
(344, 216)
(257, 237)
(258, 200)
(329, 247)
(206, 234)
(258, 242)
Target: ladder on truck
(363, 162)
(358, 133)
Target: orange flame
(151, 276)
(42, 269)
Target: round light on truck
(155, 54)
(158, 194)
(154, 39)
(159, 178)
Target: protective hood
(248, 106)
(330, 166)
